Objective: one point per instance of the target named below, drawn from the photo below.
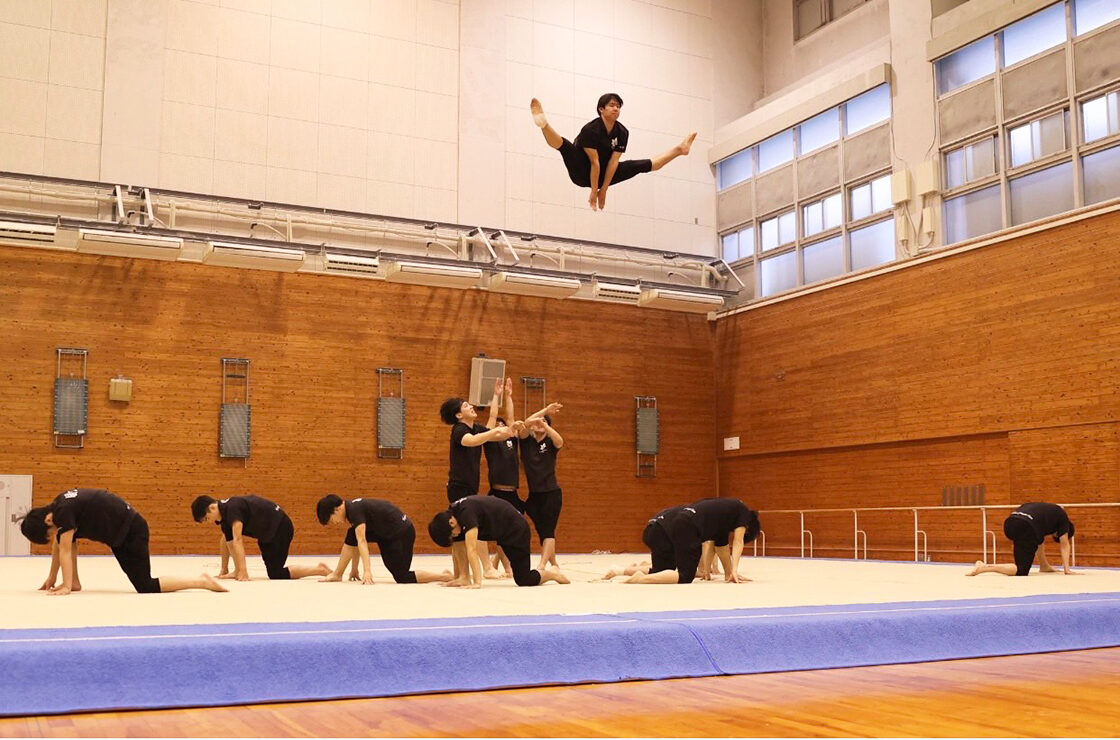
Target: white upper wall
(412, 108)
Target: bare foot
(491, 574)
(323, 570)
(976, 569)
(538, 113)
(686, 145)
(78, 587)
(212, 584)
(559, 577)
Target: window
(778, 231)
(874, 106)
(1101, 116)
(775, 151)
(735, 169)
(1041, 194)
(738, 245)
(970, 163)
(1035, 33)
(821, 215)
(1090, 14)
(812, 14)
(871, 197)
(973, 214)
(824, 259)
(1102, 175)
(779, 273)
(1037, 139)
(819, 131)
(966, 65)
(873, 245)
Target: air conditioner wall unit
(436, 275)
(128, 244)
(21, 232)
(352, 265)
(253, 256)
(679, 300)
(617, 292)
(545, 286)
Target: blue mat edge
(705, 644)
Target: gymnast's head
(605, 103)
(442, 528)
(37, 524)
(330, 510)
(753, 527)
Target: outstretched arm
(1065, 546)
(612, 167)
(732, 574)
(508, 399)
(495, 401)
(237, 549)
(66, 561)
(470, 539)
(593, 156)
(52, 577)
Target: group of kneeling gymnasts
(684, 541)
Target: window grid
(1075, 148)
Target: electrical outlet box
(900, 187)
(902, 231)
(928, 225)
(926, 179)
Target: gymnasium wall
(996, 366)
(409, 108)
(315, 343)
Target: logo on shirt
(277, 507)
(614, 142)
(355, 500)
(509, 443)
(225, 501)
(544, 447)
(1022, 513)
(72, 493)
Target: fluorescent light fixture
(679, 300)
(523, 283)
(426, 273)
(348, 264)
(617, 292)
(253, 256)
(21, 232)
(127, 244)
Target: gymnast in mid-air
(595, 159)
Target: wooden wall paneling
(315, 342)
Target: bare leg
(680, 150)
(980, 567)
(548, 552)
(427, 576)
(554, 139)
(500, 557)
(629, 570)
(204, 581)
(302, 571)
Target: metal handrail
(984, 531)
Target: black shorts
(275, 551)
(516, 549)
(679, 551)
(456, 491)
(396, 551)
(1019, 531)
(579, 166)
(511, 497)
(544, 509)
(135, 559)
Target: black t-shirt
(594, 136)
(465, 461)
(501, 462)
(1046, 519)
(497, 520)
(93, 514)
(719, 517)
(539, 459)
(383, 520)
(259, 517)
